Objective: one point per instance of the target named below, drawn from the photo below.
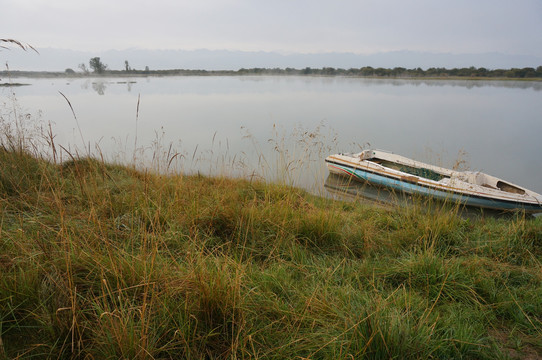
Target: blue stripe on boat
(412, 188)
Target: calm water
(283, 127)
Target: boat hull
(412, 185)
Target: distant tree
(498, 73)
(97, 65)
(397, 71)
(352, 71)
(381, 71)
(529, 72)
(69, 71)
(127, 66)
(521, 73)
(366, 71)
(482, 71)
(83, 68)
(147, 70)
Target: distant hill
(60, 59)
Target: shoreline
(239, 73)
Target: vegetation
(102, 261)
(97, 65)
(470, 72)
(464, 73)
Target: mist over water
(253, 125)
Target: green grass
(102, 261)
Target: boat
(399, 173)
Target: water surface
(283, 127)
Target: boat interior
(416, 171)
(476, 178)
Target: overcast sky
(286, 26)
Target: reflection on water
(398, 82)
(469, 84)
(346, 188)
(100, 86)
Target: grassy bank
(102, 261)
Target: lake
(281, 128)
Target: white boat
(470, 188)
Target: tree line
(366, 71)
(97, 67)
(398, 72)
